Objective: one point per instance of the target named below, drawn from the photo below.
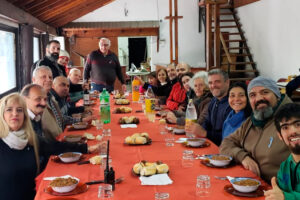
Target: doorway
(137, 50)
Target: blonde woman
(20, 150)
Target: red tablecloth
(124, 157)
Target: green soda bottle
(104, 106)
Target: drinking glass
(106, 133)
(105, 191)
(162, 129)
(169, 139)
(99, 124)
(187, 158)
(161, 195)
(202, 186)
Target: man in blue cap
(255, 144)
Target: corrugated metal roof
(112, 25)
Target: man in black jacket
(50, 60)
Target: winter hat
(265, 82)
(64, 53)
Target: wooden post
(175, 19)
(217, 35)
(208, 37)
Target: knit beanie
(265, 82)
(64, 53)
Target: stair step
(243, 70)
(235, 40)
(225, 20)
(231, 26)
(226, 6)
(230, 33)
(236, 55)
(238, 63)
(231, 48)
(226, 13)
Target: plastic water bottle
(104, 106)
(150, 104)
(190, 116)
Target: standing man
(50, 60)
(102, 66)
(218, 110)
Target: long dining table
(125, 156)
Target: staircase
(235, 55)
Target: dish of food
(122, 102)
(129, 120)
(123, 109)
(219, 160)
(138, 139)
(195, 142)
(80, 188)
(205, 144)
(80, 125)
(179, 130)
(245, 184)
(257, 193)
(70, 157)
(145, 168)
(119, 96)
(72, 138)
(62, 185)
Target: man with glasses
(102, 66)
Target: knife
(83, 162)
(118, 180)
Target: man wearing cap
(102, 67)
(50, 59)
(255, 144)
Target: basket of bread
(122, 102)
(123, 109)
(129, 120)
(119, 96)
(145, 168)
(138, 139)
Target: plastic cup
(187, 158)
(203, 186)
(105, 191)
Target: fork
(223, 178)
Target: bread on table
(162, 168)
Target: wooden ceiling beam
(40, 6)
(64, 9)
(21, 3)
(75, 13)
(9, 10)
(87, 33)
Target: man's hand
(123, 88)
(97, 147)
(275, 193)
(89, 118)
(251, 165)
(171, 117)
(196, 129)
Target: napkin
(128, 126)
(54, 177)
(157, 179)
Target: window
(36, 49)
(8, 59)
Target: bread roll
(140, 140)
(148, 171)
(145, 135)
(96, 160)
(135, 135)
(162, 168)
(128, 140)
(137, 168)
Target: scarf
(16, 139)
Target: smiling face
(290, 134)
(53, 50)
(63, 60)
(162, 76)
(36, 100)
(43, 78)
(185, 81)
(262, 101)
(199, 87)
(14, 115)
(237, 99)
(171, 72)
(104, 46)
(75, 76)
(217, 85)
(61, 86)
(181, 69)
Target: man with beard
(50, 60)
(255, 144)
(218, 110)
(287, 121)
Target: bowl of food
(80, 125)
(63, 185)
(245, 184)
(195, 142)
(69, 157)
(179, 130)
(219, 160)
(73, 138)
